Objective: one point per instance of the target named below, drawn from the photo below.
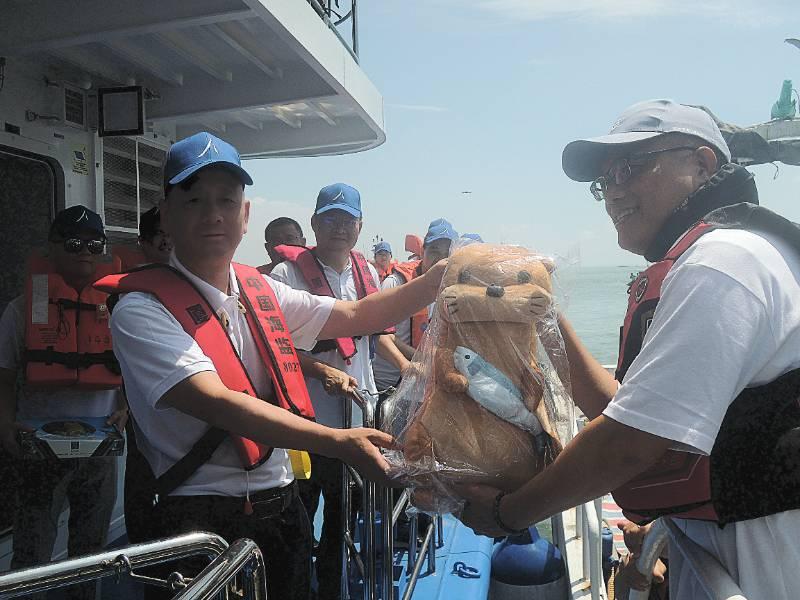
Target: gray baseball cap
(582, 160)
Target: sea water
(595, 299)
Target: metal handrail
(325, 12)
(652, 547)
(592, 548)
(588, 519)
(377, 496)
(368, 564)
(243, 556)
(427, 547)
(110, 563)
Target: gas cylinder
(527, 566)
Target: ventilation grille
(74, 107)
(120, 167)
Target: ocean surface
(594, 299)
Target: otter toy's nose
(495, 291)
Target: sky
(483, 95)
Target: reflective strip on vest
(67, 335)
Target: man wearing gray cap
(703, 424)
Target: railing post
(355, 27)
(347, 417)
(386, 588)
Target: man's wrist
(504, 518)
(331, 443)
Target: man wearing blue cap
(28, 392)
(333, 268)
(703, 427)
(408, 333)
(208, 329)
(382, 255)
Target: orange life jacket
(384, 273)
(314, 276)
(67, 337)
(264, 319)
(419, 321)
(752, 469)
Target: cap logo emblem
(209, 146)
(338, 196)
(82, 217)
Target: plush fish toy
(495, 392)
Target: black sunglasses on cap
(75, 245)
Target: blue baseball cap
(582, 160)
(339, 196)
(472, 236)
(382, 247)
(440, 229)
(187, 156)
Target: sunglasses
(621, 170)
(76, 245)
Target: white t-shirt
(156, 354)
(728, 318)
(330, 409)
(37, 404)
(386, 374)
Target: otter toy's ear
(549, 264)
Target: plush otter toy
(482, 418)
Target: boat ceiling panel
(229, 65)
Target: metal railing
(588, 527)
(235, 571)
(377, 547)
(238, 573)
(114, 563)
(333, 15)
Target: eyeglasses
(622, 170)
(75, 245)
(330, 222)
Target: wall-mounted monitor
(121, 111)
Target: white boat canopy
(271, 76)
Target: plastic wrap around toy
(486, 399)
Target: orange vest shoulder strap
(271, 334)
(193, 312)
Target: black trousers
(326, 478)
(88, 485)
(285, 539)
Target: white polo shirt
(386, 374)
(330, 409)
(156, 354)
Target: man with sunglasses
(701, 422)
(76, 243)
(344, 274)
